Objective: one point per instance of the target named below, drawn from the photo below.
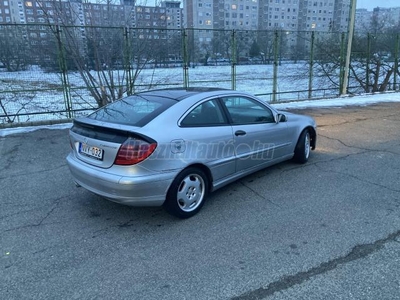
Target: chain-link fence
(53, 73)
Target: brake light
(133, 151)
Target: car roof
(179, 94)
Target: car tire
(303, 148)
(187, 193)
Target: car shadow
(103, 213)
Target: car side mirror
(280, 118)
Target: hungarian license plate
(94, 152)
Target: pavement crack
(344, 123)
(353, 121)
(337, 140)
(17, 213)
(359, 148)
(288, 281)
(258, 194)
(40, 222)
(362, 180)
(34, 173)
(10, 156)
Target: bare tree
(108, 59)
(372, 65)
(222, 45)
(265, 41)
(206, 52)
(13, 54)
(12, 104)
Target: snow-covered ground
(362, 100)
(36, 95)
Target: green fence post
(185, 59)
(368, 61)
(396, 62)
(310, 78)
(234, 60)
(64, 74)
(127, 62)
(342, 61)
(276, 62)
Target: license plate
(94, 152)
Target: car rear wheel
(303, 148)
(187, 194)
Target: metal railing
(53, 73)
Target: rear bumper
(148, 190)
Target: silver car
(172, 147)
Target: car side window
(247, 111)
(206, 114)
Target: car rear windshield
(134, 110)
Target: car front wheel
(303, 148)
(187, 193)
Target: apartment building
(317, 15)
(94, 14)
(279, 15)
(5, 13)
(341, 15)
(304, 15)
(363, 20)
(292, 15)
(174, 14)
(80, 12)
(322, 15)
(282, 15)
(16, 10)
(206, 17)
(385, 17)
(241, 15)
(82, 18)
(84, 13)
(200, 15)
(377, 19)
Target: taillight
(133, 151)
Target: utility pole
(349, 44)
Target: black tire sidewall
(171, 201)
(299, 152)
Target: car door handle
(240, 132)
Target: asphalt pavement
(329, 229)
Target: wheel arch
(313, 136)
(206, 171)
(201, 167)
(172, 203)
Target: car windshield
(136, 110)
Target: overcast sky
(371, 4)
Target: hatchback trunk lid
(97, 144)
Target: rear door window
(207, 113)
(133, 110)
